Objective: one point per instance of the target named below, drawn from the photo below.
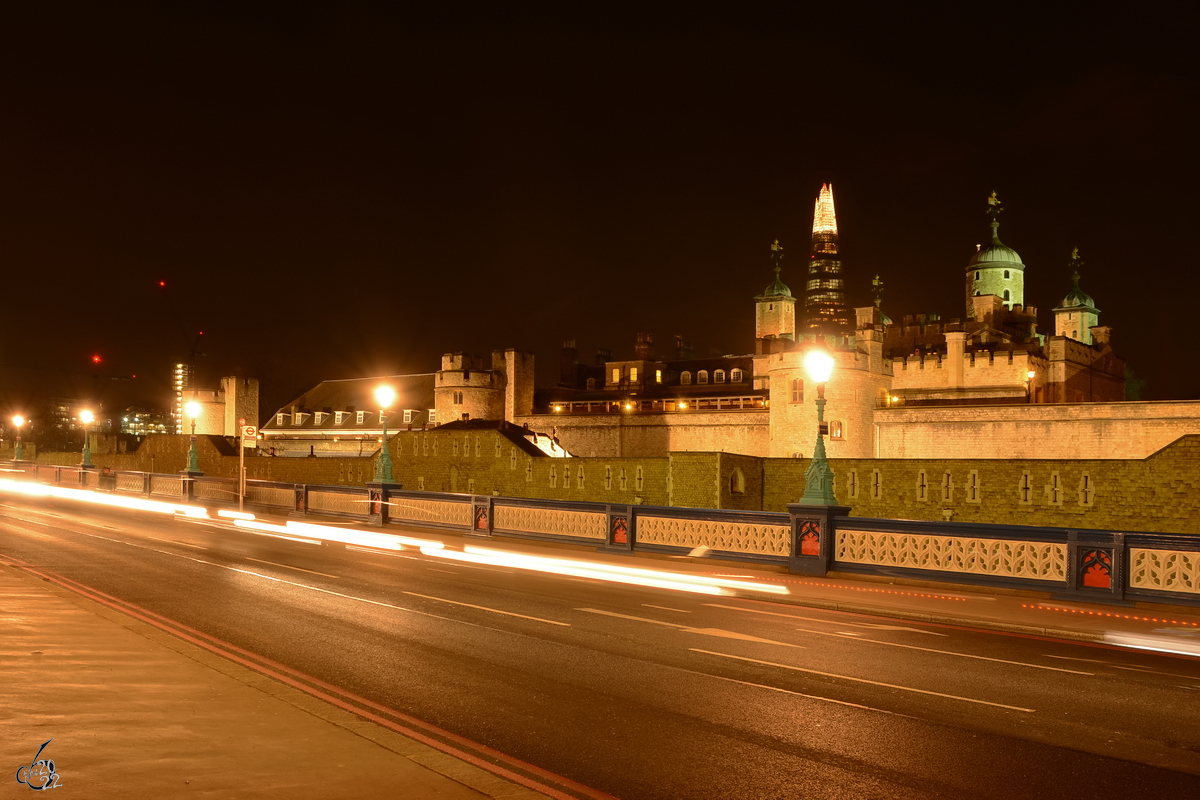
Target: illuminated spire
(824, 220)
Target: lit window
(658, 376)
(361, 417)
(408, 415)
(616, 375)
(633, 374)
(836, 430)
(339, 417)
(735, 376)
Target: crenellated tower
(995, 269)
(1078, 314)
(825, 308)
(775, 308)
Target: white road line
(719, 632)
(288, 566)
(665, 608)
(493, 610)
(185, 544)
(797, 694)
(863, 680)
(950, 653)
(828, 621)
(1148, 671)
(448, 572)
(1069, 658)
(856, 638)
(381, 552)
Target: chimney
(644, 350)
(568, 364)
(603, 357)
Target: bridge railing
(1101, 565)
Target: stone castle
(986, 385)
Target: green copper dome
(1077, 297)
(777, 288)
(995, 253)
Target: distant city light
(96, 359)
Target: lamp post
(1029, 386)
(85, 418)
(192, 409)
(818, 480)
(385, 396)
(17, 422)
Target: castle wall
(644, 434)
(851, 396)
(1160, 493)
(1125, 430)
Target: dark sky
(331, 195)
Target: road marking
(864, 680)
(724, 634)
(381, 552)
(827, 621)
(289, 566)
(1069, 658)
(493, 610)
(664, 608)
(185, 544)
(797, 694)
(448, 572)
(908, 646)
(1149, 671)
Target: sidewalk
(134, 711)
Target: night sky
(339, 196)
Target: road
(651, 693)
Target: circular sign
(249, 432)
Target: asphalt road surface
(651, 693)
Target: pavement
(155, 714)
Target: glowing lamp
(192, 409)
(1030, 374)
(683, 406)
(87, 417)
(819, 365)
(385, 396)
(18, 420)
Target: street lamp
(193, 409)
(18, 421)
(1029, 376)
(818, 480)
(385, 396)
(86, 418)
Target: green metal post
(383, 467)
(818, 479)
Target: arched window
(719, 376)
(977, 275)
(737, 482)
(977, 293)
(1007, 295)
(797, 390)
(1006, 276)
(702, 376)
(837, 430)
(685, 378)
(735, 376)
(591, 383)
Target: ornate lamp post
(193, 409)
(385, 396)
(818, 480)
(86, 418)
(17, 422)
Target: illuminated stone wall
(1160, 493)
(643, 434)
(1131, 430)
